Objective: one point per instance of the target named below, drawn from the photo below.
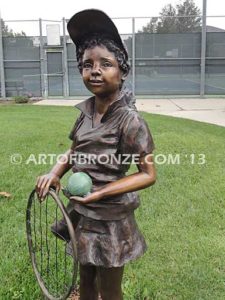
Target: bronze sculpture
(109, 126)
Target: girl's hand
(91, 197)
(134, 182)
(45, 182)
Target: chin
(98, 91)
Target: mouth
(96, 82)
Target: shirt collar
(87, 107)
(125, 99)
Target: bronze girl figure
(109, 127)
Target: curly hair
(96, 40)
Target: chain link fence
(37, 58)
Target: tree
(193, 23)
(168, 22)
(152, 26)
(6, 31)
(182, 18)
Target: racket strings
(56, 247)
(46, 241)
(41, 241)
(35, 233)
(51, 255)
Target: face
(101, 73)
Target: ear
(124, 75)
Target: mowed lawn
(182, 216)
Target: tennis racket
(55, 269)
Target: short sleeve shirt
(106, 151)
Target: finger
(38, 196)
(41, 199)
(76, 198)
(44, 183)
(37, 181)
(46, 190)
(40, 180)
(58, 188)
(36, 189)
(40, 183)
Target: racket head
(55, 270)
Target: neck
(102, 102)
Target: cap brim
(92, 21)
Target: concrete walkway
(209, 110)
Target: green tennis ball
(79, 184)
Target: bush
(21, 99)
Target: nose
(96, 70)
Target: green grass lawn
(182, 216)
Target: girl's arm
(52, 179)
(144, 178)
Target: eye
(87, 65)
(106, 64)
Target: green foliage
(6, 31)
(181, 216)
(21, 99)
(185, 17)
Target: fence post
(203, 49)
(65, 65)
(2, 70)
(133, 56)
(43, 89)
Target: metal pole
(65, 65)
(153, 45)
(2, 70)
(203, 49)
(43, 89)
(133, 56)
